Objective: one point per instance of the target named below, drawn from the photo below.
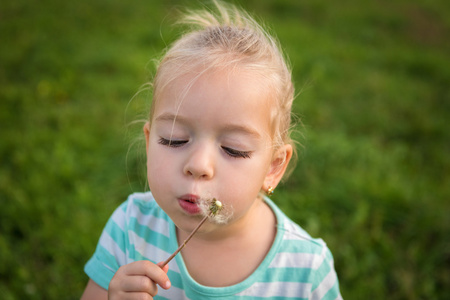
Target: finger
(137, 295)
(132, 287)
(152, 271)
(139, 283)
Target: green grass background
(373, 177)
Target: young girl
(218, 128)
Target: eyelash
(237, 153)
(229, 151)
(172, 143)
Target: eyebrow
(170, 117)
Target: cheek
(243, 188)
(157, 167)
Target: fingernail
(167, 284)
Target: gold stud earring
(270, 191)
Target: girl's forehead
(225, 95)
(222, 86)
(225, 80)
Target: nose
(200, 162)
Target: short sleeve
(325, 284)
(111, 252)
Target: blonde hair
(230, 39)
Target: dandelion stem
(187, 239)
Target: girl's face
(212, 139)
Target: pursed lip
(188, 203)
(190, 198)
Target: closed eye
(236, 153)
(171, 143)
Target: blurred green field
(373, 176)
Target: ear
(147, 135)
(280, 161)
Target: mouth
(189, 204)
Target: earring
(270, 191)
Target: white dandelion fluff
(216, 211)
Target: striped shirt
(296, 267)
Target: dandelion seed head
(216, 211)
(215, 206)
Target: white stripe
(289, 226)
(295, 232)
(296, 260)
(156, 224)
(107, 242)
(109, 268)
(326, 284)
(149, 251)
(146, 196)
(278, 289)
(119, 218)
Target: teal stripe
(175, 279)
(116, 233)
(136, 255)
(286, 275)
(297, 246)
(332, 293)
(102, 254)
(329, 255)
(122, 207)
(152, 237)
(96, 269)
(149, 208)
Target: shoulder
(140, 201)
(135, 228)
(308, 259)
(128, 235)
(139, 204)
(299, 249)
(295, 239)
(140, 209)
(298, 238)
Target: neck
(237, 249)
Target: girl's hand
(137, 280)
